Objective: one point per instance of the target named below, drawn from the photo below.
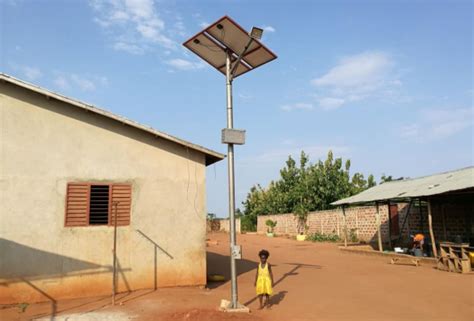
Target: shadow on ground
(220, 264)
(278, 297)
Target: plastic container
(216, 278)
(300, 237)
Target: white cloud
(83, 83)
(129, 47)
(30, 73)
(362, 70)
(179, 27)
(297, 106)
(204, 24)
(245, 96)
(328, 103)
(62, 82)
(438, 124)
(410, 131)
(66, 81)
(183, 64)
(358, 77)
(269, 29)
(135, 25)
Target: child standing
(264, 279)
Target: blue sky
(388, 84)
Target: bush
(271, 225)
(353, 235)
(318, 237)
(248, 224)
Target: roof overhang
(211, 156)
(459, 181)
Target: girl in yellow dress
(264, 279)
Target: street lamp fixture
(256, 33)
(230, 49)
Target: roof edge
(211, 156)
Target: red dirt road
(313, 282)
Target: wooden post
(379, 235)
(114, 251)
(345, 225)
(389, 226)
(443, 216)
(430, 225)
(421, 215)
(337, 224)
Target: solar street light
(256, 33)
(230, 49)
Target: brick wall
(363, 220)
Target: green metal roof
(460, 179)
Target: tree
(304, 187)
(211, 216)
(384, 179)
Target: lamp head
(256, 33)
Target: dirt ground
(312, 282)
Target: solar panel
(225, 34)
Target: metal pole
(345, 225)
(114, 276)
(230, 163)
(430, 226)
(379, 234)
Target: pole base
(226, 306)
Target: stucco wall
(224, 225)
(44, 145)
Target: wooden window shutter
(121, 193)
(77, 204)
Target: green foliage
(318, 237)
(384, 179)
(211, 216)
(271, 225)
(248, 223)
(352, 237)
(304, 187)
(301, 213)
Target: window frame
(89, 184)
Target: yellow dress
(264, 282)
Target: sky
(386, 84)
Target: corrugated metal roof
(417, 187)
(211, 156)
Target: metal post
(230, 164)
(114, 276)
(389, 226)
(345, 225)
(379, 234)
(430, 226)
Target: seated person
(418, 242)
